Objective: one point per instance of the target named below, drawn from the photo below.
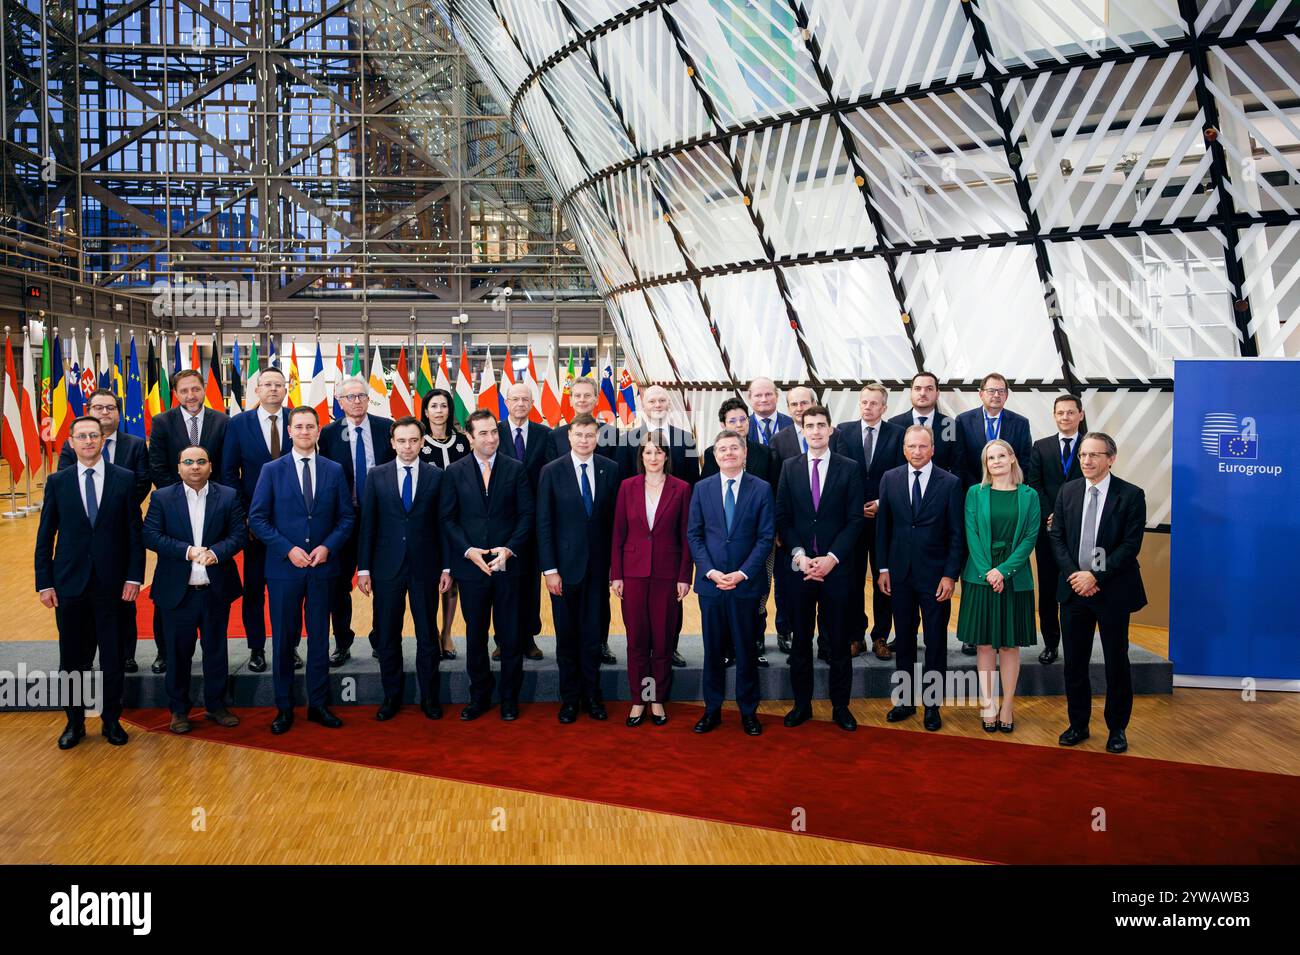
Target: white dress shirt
(591, 472)
(928, 415)
(520, 429)
(99, 469)
(651, 505)
(109, 443)
(197, 418)
(1103, 486)
(264, 422)
(1074, 444)
(198, 502)
(762, 421)
(298, 458)
(825, 459)
(875, 437)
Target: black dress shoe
(158, 666)
(387, 710)
(130, 666)
(932, 718)
(431, 710)
(844, 719)
(636, 720)
(658, 720)
(471, 712)
(751, 726)
(1072, 737)
(900, 713)
(339, 657)
(375, 654)
(728, 661)
(1048, 656)
(823, 655)
(257, 661)
(114, 733)
(509, 711)
(709, 721)
(449, 654)
(283, 720)
(72, 735)
(968, 649)
(678, 659)
(534, 653)
(783, 642)
(761, 662)
(297, 661)
(569, 713)
(596, 710)
(798, 715)
(323, 716)
(1117, 743)
(606, 657)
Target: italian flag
(464, 396)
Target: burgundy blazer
(662, 553)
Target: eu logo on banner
(1240, 447)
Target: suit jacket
(745, 547)
(836, 523)
(568, 540)
(756, 428)
(245, 452)
(920, 548)
(393, 544)
(661, 552)
(280, 520)
(887, 453)
(683, 452)
(609, 444)
(1043, 471)
(945, 450)
(67, 547)
(168, 436)
(759, 461)
(129, 452)
(979, 539)
(1014, 430)
(167, 532)
(537, 437)
(472, 517)
(336, 445)
(1119, 537)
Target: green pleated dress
(992, 619)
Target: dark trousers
(581, 615)
(1080, 619)
(782, 579)
(909, 601)
(390, 613)
(865, 565)
(254, 608)
(491, 600)
(728, 617)
(129, 630)
(839, 614)
(1049, 611)
(341, 597)
(88, 623)
(202, 618)
(530, 600)
(294, 602)
(651, 612)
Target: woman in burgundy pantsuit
(650, 569)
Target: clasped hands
(301, 559)
(816, 568)
(200, 555)
(476, 555)
(1083, 583)
(726, 581)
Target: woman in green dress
(997, 586)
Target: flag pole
(14, 510)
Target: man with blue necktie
(766, 421)
(359, 441)
(979, 426)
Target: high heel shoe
(636, 720)
(1007, 727)
(658, 719)
(990, 727)
(448, 654)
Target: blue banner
(1235, 541)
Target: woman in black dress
(444, 445)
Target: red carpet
(988, 800)
(235, 629)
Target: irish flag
(464, 397)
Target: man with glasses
(979, 426)
(359, 441)
(126, 451)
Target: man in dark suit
(486, 509)
(526, 441)
(186, 424)
(766, 421)
(786, 444)
(920, 543)
(876, 446)
(683, 453)
(978, 426)
(789, 442)
(196, 528)
(303, 513)
(730, 531)
(253, 439)
(575, 523)
(1097, 526)
(1052, 462)
(358, 442)
(924, 396)
(399, 554)
(126, 451)
(819, 517)
(90, 558)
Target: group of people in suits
(429, 516)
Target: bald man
(766, 421)
(685, 456)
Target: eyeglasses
(191, 462)
(101, 409)
(354, 397)
(995, 391)
(94, 436)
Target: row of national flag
(41, 403)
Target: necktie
(487, 475)
(869, 445)
(108, 450)
(1065, 453)
(991, 427)
(816, 494)
(916, 493)
(921, 419)
(92, 505)
(767, 430)
(407, 494)
(359, 467)
(1088, 537)
(194, 430)
(729, 503)
(587, 501)
(519, 443)
(275, 436)
(308, 496)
